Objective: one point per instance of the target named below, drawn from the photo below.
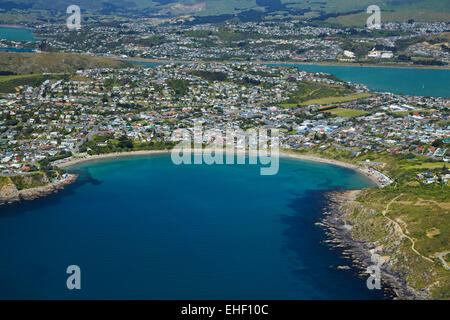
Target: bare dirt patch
(433, 232)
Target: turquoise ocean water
(419, 82)
(17, 34)
(142, 227)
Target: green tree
(438, 143)
(125, 143)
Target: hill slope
(402, 10)
(27, 63)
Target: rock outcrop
(362, 232)
(9, 192)
(33, 193)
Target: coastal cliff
(29, 187)
(363, 231)
(8, 191)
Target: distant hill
(419, 10)
(34, 11)
(28, 63)
(397, 10)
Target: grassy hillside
(309, 93)
(39, 10)
(413, 232)
(33, 63)
(407, 221)
(443, 38)
(32, 180)
(419, 10)
(8, 84)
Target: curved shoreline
(75, 161)
(332, 218)
(338, 163)
(287, 155)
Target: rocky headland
(344, 232)
(9, 190)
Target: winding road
(441, 257)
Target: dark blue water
(141, 227)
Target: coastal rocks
(343, 267)
(356, 230)
(9, 193)
(33, 193)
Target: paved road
(91, 132)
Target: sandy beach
(333, 162)
(74, 161)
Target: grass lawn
(15, 77)
(348, 113)
(331, 100)
(427, 165)
(404, 113)
(287, 105)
